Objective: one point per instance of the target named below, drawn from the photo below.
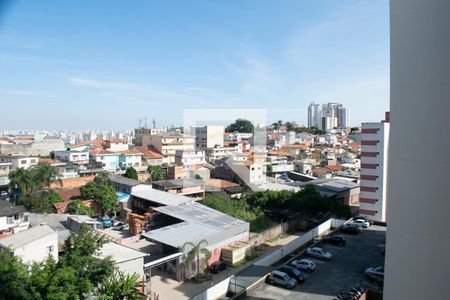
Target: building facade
(374, 155)
(208, 137)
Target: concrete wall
(418, 239)
(302, 240)
(214, 292)
(268, 234)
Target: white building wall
(418, 241)
(373, 203)
(38, 250)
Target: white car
(318, 253)
(361, 222)
(306, 265)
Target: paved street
(345, 270)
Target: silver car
(318, 253)
(306, 265)
(283, 279)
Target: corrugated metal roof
(200, 222)
(27, 236)
(146, 192)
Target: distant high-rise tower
(314, 115)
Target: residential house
(12, 218)
(114, 145)
(150, 156)
(19, 161)
(78, 158)
(108, 161)
(4, 174)
(131, 158)
(32, 245)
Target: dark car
(292, 272)
(335, 240)
(351, 229)
(217, 267)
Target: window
(50, 249)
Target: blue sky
(105, 64)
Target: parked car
(120, 226)
(106, 221)
(293, 272)
(217, 267)
(3, 193)
(335, 240)
(361, 222)
(349, 229)
(283, 279)
(318, 253)
(375, 272)
(304, 265)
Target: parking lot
(346, 269)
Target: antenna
(140, 123)
(154, 123)
(145, 122)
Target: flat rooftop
(178, 183)
(120, 253)
(200, 222)
(146, 192)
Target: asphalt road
(346, 269)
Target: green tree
(43, 175)
(77, 207)
(131, 173)
(102, 192)
(14, 277)
(40, 201)
(23, 180)
(241, 125)
(194, 252)
(156, 173)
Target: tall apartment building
(209, 136)
(374, 150)
(314, 115)
(328, 116)
(167, 143)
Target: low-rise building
(19, 161)
(32, 245)
(4, 174)
(13, 218)
(116, 145)
(185, 187)
(78, 158)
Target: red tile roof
(131, 152)
(149, 152)
(220, 183)
(121, 141)
(100, 152)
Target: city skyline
(106, 73)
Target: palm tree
(23, 180)
(44, 175)
(193, 253)
(122, 286)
